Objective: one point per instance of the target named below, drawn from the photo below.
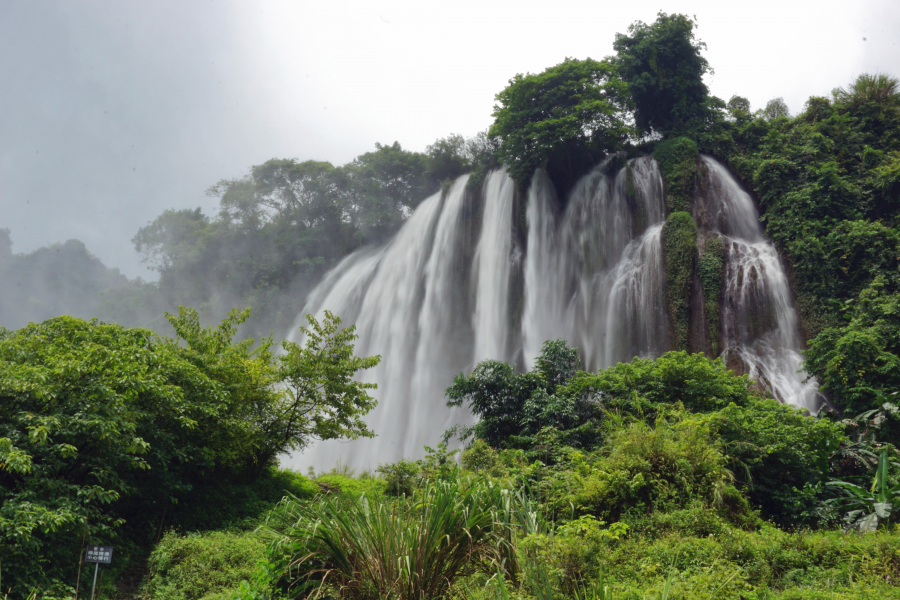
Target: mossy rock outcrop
(677, 160)
(680, 249)
(711, 266)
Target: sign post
(97, 555)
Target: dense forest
(671, 477)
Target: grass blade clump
(409, 548)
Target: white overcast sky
(111, 112)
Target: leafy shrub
(869, 508)
(400, 477)
(570, 553)
(775, 563)
(239, 505)
(647, 386)
(348, 485)
(856, 361)
(513, 408)
(643, 470)
(479, 457)
(208, 566)
(774, 450)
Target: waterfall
(493, 269)
(595, 274)
(382, 290)
(614, 228)
(543, 314)
(631, 318)
(433, 301)
(759, 324)
(441, 352)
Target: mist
(115, 112)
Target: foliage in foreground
(103, 428)
(689, 553)
(664, 501)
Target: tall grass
(410, 548)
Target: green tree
(879, 88)
(739, 108)
(645, 386)
(447, 158)
(280, 402)
(282, 188)
(89, 414)
(56, 279)
(776, 108)
(100, 426)
(565, 118)
(513, 408)
(323, 400)
(171, 237)
(379, 188)
(663, 67)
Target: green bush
(239, 505)
(765, 564)
(479, 457)
(400, 477)
(647, 386)
(643, 470)
(859, 363)
(208, 566)
(514, 408)
(345, 484)
(774, 450)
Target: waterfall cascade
(760, 328)
(432, 303)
